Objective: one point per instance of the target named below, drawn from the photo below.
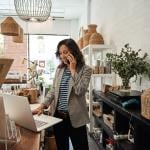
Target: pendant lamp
(33, 10)
(19, 38)
(9, 27)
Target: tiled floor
(92, 144)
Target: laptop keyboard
(40, 123)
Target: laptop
(18, 109)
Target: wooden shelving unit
(92, 53)
(123, 118)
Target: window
(42, 49)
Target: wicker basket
(80, 43)
(19, 38)
(145, 104)
(10, 27)
(86, 37)
(96, 38)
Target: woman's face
(63, 53)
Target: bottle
(109, 145)
(107, 67)
(101, 68)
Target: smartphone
(68, 62)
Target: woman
(68, 97)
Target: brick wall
(17, 51)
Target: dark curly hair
(74, 49)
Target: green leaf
(128, 63)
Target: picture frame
(42, 63)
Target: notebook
(18, 109)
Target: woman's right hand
(38, 110)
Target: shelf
(102, 75)
(104, 126)
(123, 118)
(14, 81)
(96, 47)
(128, 113)
(92, 53)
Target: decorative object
(86, 37)
(42, 63)
(19, 38)
(33, 10)
(82, 32)
(80, 41)
(145, 104)
(10, 27)
(128, 64)
(96, 38)
(92, 37)
(30, 93)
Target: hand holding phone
(72, 62)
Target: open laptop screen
(18, 109)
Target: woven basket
(96, 38)
(145, 104)
(10, 27)
(19, 38)
(80, 43)
(86, 37)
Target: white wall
(121, 22)
(74, 31)
(85, 17)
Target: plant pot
(125, 84)
(125, 88)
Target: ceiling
(61, 9)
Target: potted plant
(128, 64)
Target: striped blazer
(78, 86)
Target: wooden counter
(29, 141)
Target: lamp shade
(19, 38)
(9, 27)
(33, 10)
